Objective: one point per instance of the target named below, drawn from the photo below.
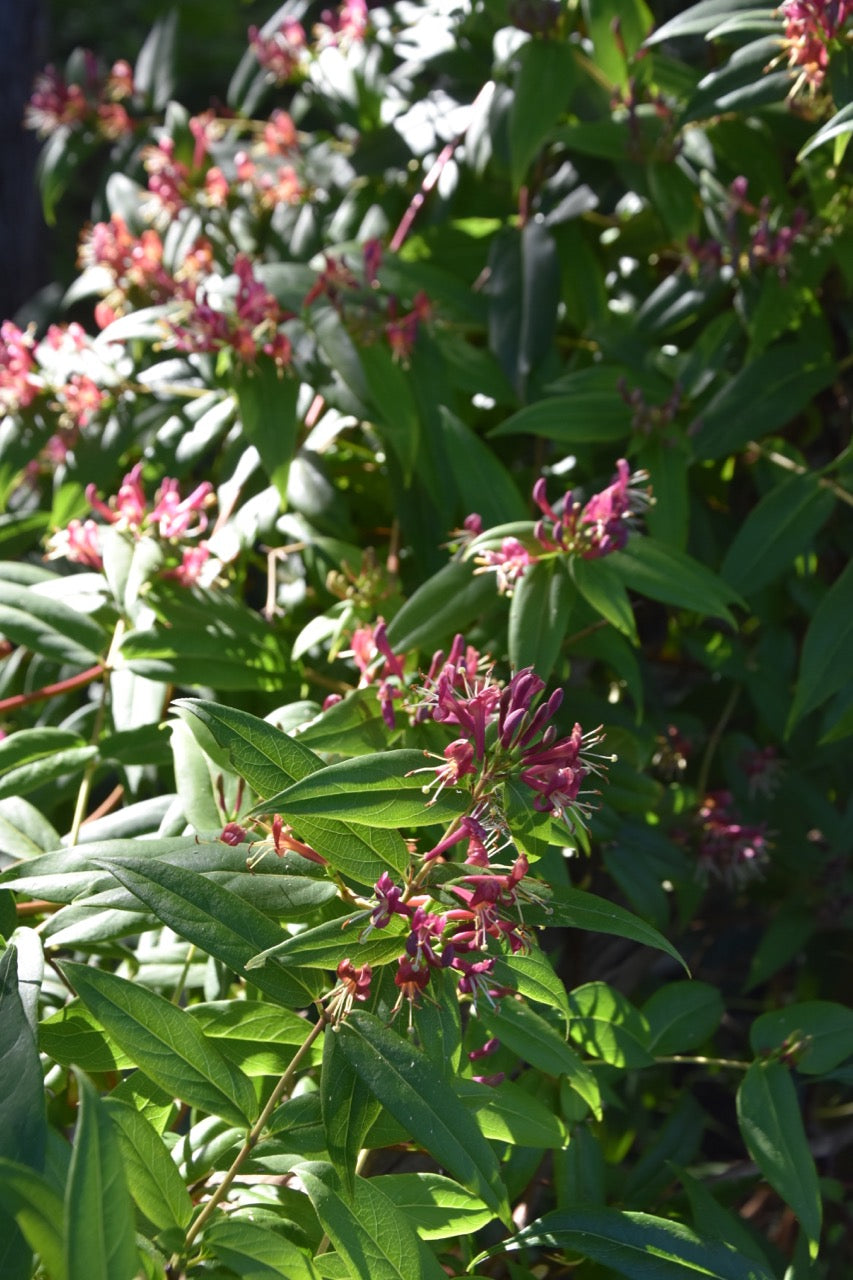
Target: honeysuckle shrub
(426, 618)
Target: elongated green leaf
(584, 417)
(446, 603)
(165, 1043)
(37, 1210)
(539, 616)
(772, 1128)
(267, 404)
(32, 757)
(407, 1084)
(49, 626)
(839, 125)
(437, 1206)
(72, 1035)
(764, 396)
(390, 390)
(607, 1025)
(531, 973)
(267, 758)
(153, 1179)
(324, 945)
(99, 1230)
(348, 1109)
(822, 1028)
(825, 660)
(254, 1251)
(508, 1113)
(543, 86)
(576, 909)
(700, 18)
(682, 1015)
(216, 921)
(778, 529)
(535, 1041)
(384, 791)
(636, 1245)
(603, 588)
(23, 1125)
(652, 569)
(213, 650)
(369, 1231)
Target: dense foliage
(426, 620)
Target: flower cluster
(95, 101)
(590, 530)
(134, 267)
(284, 52)
(752, 238)
(214, 176)
(810, 27)
(506, 732)
(249, 325)
(727, 848)
(379, 665)
(171, 519)
(18, 385)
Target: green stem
(714, 742)
(257, 1129)
(697, 1060)
(182, 980)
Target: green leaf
(437, 1206)
(48, 626)
(508, 1113)
(544, 82)
(446, 603)
(260, 1038)
(165, 1043)
(37, 1209)
(614, 59)
(661, 572)
(386, 790)
(214, 920)
(257, 1252)
(836, 127)
(99, 1229)
(777, 530)
(266, 757)
(154, 1182)
(390, 390)
(266, 399)
(681, 1016)
(73, 1035)
(824, 1028)
(699, 19)
(636, 1245)
(532, 975)
(348, 1108)
(539, 616)
(326, 944)
(23, 1125)
(608, 1026)
(153, 74)
(603, 589)
(764, 396)
(535, 1041)
(576, 909)
(825, 659)
(32, 757)
(584, 417)
(772, 1128)
(368, 1231)
(407, 1084)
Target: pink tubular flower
(280, 54)
(279, 133)
(80, 543)
(175, 515)
(810, 26)
(195, 567)
(128, 508)
(81, 398)
(728, 849)
(17, 363)
(510, 563)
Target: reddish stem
(52, 690)
(420, 196)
